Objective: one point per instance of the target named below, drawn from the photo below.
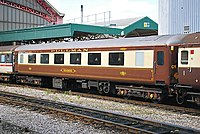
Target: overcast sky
(119, 8)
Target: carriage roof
(7, 48)
(162, 40)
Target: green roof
(70, 30)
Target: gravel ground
(116, 107)
(44, 124)
(7, 128)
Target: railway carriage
(6, 63)
(128, 67)
(189, 68)
(150, 67)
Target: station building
(20, 14)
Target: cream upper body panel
(191, 57)
(132, 59)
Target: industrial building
(19, 14)
(37, 21)
(179, 16)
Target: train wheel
(104, 87)
(180, 96)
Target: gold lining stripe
(27, 72)
(92, 66)
(5, 52)
(188, 67)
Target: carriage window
(32, 58)
(75, 58)
(139, 58)
(8, 58)
(160, 58)
(44, 58)
(2, 58)
(116, 58)
(94, 59)
(59, 59)
(184, 57)
(21, 58)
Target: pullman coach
(153, 67)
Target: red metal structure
(53, 16)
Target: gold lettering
(79, 50)
(85, 50)
(73, 50)
(68, 70)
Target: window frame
(160, 60)
(56, 58)
(42, 60)
(92, 57)
(138, 60)
(4, 59)
(183, 60)
(21, 58)
(74, 58)
(32, 60)
(111, 58)
(10, 58)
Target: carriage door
(173, 64)
(15, 61)
(161, 66)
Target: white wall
(175, 14)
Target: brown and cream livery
(6, 63)
(149, 67)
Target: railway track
(186, 109)
(192, 110)
(94, 116)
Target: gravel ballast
(179, 119)
(44, 124)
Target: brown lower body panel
(190, 77)
(117, 74)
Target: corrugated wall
(179, 16)
(12, 18)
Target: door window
(160, 58)
(184, 57)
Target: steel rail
(195, 111)
(131, 124)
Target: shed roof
(141, 26)
(120, 23)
